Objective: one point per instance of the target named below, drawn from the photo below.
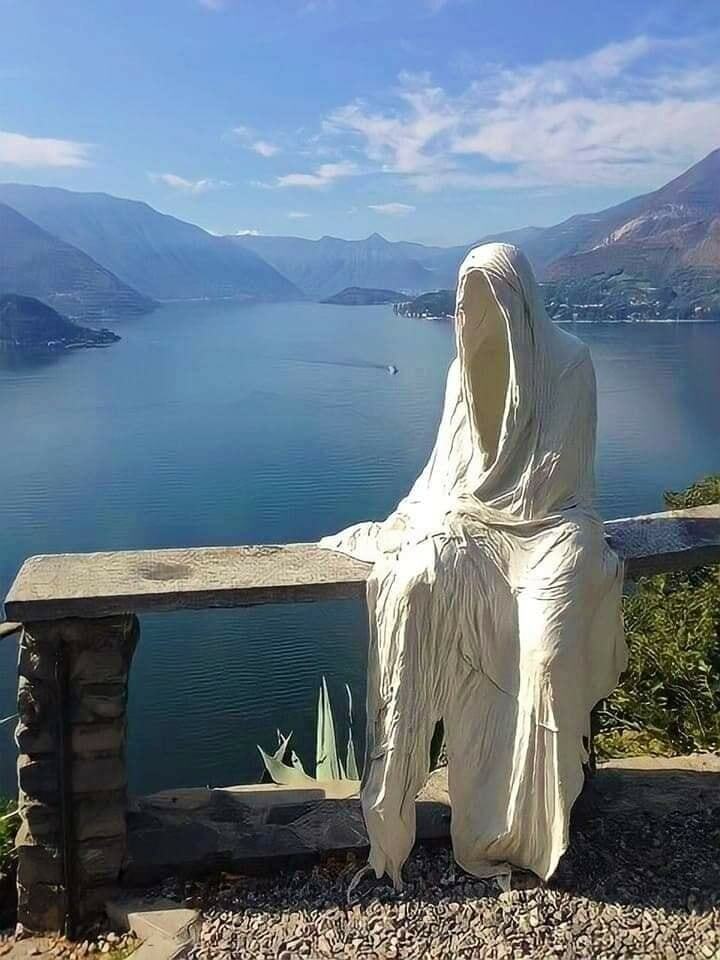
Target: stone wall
(71, 735)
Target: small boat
(392, 369)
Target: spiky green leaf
(282, 773)
(351, 767)
(327, 764)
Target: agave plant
(336, 778)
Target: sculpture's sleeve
(366, 541)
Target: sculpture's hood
(511, 359)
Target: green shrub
(8, 829)
(668, 701)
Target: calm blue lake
(229, 424)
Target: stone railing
(79, 630)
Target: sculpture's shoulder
(571, 352)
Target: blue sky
(430, 120)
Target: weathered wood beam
(7, 629)
(104, 584)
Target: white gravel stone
(608, 901)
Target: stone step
(164, 927)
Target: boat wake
(359, 364)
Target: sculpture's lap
(492, 632)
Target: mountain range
(653, 235)
(37, 264)
(322, 268)
(93, 255)
(161, 256)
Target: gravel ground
(108, 946)
(105, 944)
(628, 888)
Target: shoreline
(597, 323)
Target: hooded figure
(494, 601)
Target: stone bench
(79, 631)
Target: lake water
(228, 424)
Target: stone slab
(206, 831)
(192, 832)
(101, 584)
(152, 918)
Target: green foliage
(668, 701)
(8, 829)
(700, 494)
(687, 294)
(439, 303)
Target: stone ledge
(198, 832)
(192, 832)
(97, 585)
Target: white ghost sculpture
(494, 601)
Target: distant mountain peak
(321, 268)
(377, 241)
(699, 185)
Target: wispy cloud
(213, 4)
(18, 150)
(392, 209)
(626, 113)
(397, 140)
(297, 215)
(264, 148)
(251, 141)
(184, 185)
(323, 176)
(251, 232)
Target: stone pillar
(71, 734)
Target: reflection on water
(226, 424)
(14, 361)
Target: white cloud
(264, 148)
(626, 113)
(392, 209)
(325, 174)
(397, 140)
(297, 215)
(188, 186)
(17, 150)
(248, 233)
(251, 141)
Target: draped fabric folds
(494, 601)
